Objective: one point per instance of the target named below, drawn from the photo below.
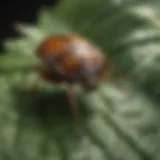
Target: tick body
(73, 60)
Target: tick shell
(71, 59)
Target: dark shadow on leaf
(47, 113)
(46, 109)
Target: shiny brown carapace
(73, 60)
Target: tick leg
(32, 90)
(118, 72)
(109, 77)
(112, 72)
(73, 105)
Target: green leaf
(120, 118)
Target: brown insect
(73, 60)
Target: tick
(71, 59)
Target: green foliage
(120, 122)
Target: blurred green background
(119, 123)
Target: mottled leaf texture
(121, 119)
